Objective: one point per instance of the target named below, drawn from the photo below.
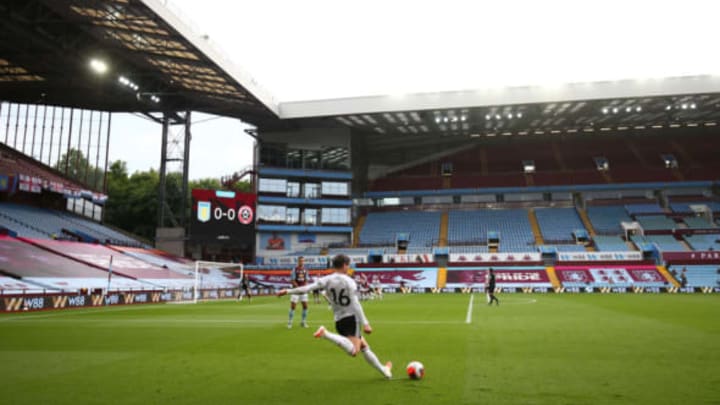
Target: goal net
(216, 275)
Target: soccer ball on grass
(415, 370)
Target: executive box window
(312, 190)
(335, 215)
(310, 216)
(273, 186)
(293, 216)
(293, 189)
(312, 159)
(272, 213)
(335, 188)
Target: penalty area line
(468, 317)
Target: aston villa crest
(203, 211)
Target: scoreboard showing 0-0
(225, 217)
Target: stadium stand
(665, 243)
(698, 223)
(606, 219)
(703, 242)
(99, 257)
(606, 243)
(209, 276)
(684, 207)
(19, 228)
(41, 267)
(644, 209)
(381, 228)
(33, 222)
(699, 276)
(558, 224)
(656, 223)
(9, 285)
(472, 227)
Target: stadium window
(336, 158)
(273, 155)
(293, 216)
(335, 215)
(312, 190)
(388, 202)
(335, 188)
(294, 159)
(272, 185)
(446, 169)
(271, 213)
(293, 189)
(310, 216)
(312, 159)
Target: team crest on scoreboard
(203, 211)
(245, 215)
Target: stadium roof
(149, 59)
(157, 62)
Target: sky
(219, 146)
(324, 49)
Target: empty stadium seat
(606, 219)
(381, 228)
(558, 224)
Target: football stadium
(526, 244)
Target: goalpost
(235, 268)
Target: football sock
(290, 316)
(372, 359)
(341, 341)
(304, 314)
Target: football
(415, 370)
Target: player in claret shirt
(348, 313)
(299, 278)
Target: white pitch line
(468, 318)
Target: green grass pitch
(533, 349)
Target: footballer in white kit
(342, 292)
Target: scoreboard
(224, 217)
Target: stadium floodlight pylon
(216, 265)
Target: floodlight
(98, 66)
